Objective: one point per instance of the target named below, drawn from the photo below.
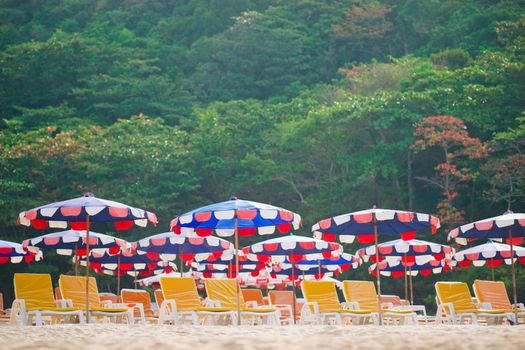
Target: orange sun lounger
(140, 300)
(495, 294)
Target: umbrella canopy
(343, 262)
(294, 248)
(189, 246)
(413, 250)
(252, 218)
(74, 242)
(509, 226)
(75, 211)
(361, 224)
(297, 271)
(491, 253)
(15, 253)
(396, 269)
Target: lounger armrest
(286, 307)
(442, 309)
(485, 306)
(518, 306)
(18, 310)
(252, 304)
(350, 305)
(106, 303)
(387, 306)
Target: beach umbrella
(187, 246)
(236, 218)
(265, 280)
(294, 248)
(368, 224)
(338, 263)
(11, 252)
(491, 254)
(397, 268)
(80, 213)
(74, 242)
(409, 253)
(225, 265)
(509, 227)
(297, 271)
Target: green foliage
(172, 105)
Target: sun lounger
(363, 295)
(456, 306)
(140, 300)
(35, 299)
(223, 293)
(283, 300)
(254, 296)
(159, 298)
(322, 306)
(74, 289)
(396, 303)
(494, 295)
(181, 300)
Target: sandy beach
(111, 336)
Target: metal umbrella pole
(378, 278)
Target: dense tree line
(322, 107)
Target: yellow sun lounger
(456, 305)
(322, 305)
(74, 289)
(223, 293)
(182, 300)
(34, 298)
(140, 301)
(363, 296)
(494, 295)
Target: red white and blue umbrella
(414, 250)
(491, 254)
(80, 213)
(11, 252)
(214, 265)
(368, 224)
(74, 242)
(509, 227)
(294, 248)
(187, 247)
(236, 217)
(295, 271)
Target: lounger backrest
(159, 297)
(457, 294)
(36, 289)
(282, 297)
(253, 295)
(181, 289)
(393, 299)
(362, 292)
(223, 290)
(74, 289)
(492, 292)
(323, 293)
(108, 296)
(139, 296)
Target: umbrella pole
(492, 269)
(180, 260)
(411, 288)
(118, 278)
(87, 267)
(77, 261)
(235, 223)
(513, 268)
(230, 269)
(319, 268)
(293, 286)
(378, 278)
(135, 280)
(406, 276)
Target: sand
(115, 336)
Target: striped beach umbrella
(11, 252)
(74, 242)
(236, 217)
(79, 213)
(187, 246)
(490, 254)
(368, 224)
